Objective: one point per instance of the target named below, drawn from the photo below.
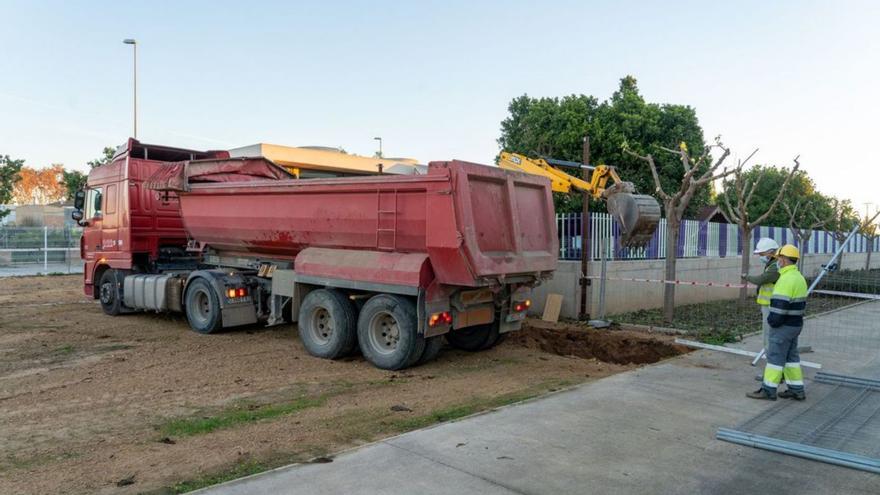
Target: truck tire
(109, 292)
(328, 324)
(475, 338)
(203, 307)
(432, 349)
(388, 332)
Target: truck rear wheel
(432, 349)
(328, 324)
(109, 292)
(388, 332)
(203, 307)
(475, 338)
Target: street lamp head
(129, 41)
(377, 138)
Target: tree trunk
(746, 236)
(870, 249)
(672, 226)
(803, 242)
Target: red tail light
(522, 306)
(241, 292)
(444, 318)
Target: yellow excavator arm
(637, 214)
(561, 181)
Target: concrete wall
(623, 296)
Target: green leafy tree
(555, 127)
(9, 175)
(73, 181)
(107, 157)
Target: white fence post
(45, 249)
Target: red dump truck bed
(476, 224)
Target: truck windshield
(93, 202)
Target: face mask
(765, 259)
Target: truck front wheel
(327, 324)
(203, 307)
(388, 332)
(109, 292)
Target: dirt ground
(140, 404)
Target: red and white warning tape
(675, 282)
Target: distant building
(51, 215)
(711, 213)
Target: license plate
(515, 317)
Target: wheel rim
(321, 326)
(384, 333)
(107, 293)
(202, 306)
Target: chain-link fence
(33, 250)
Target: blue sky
(434, 78)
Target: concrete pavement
(650, 430)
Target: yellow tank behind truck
(315, 161)
(637, 214)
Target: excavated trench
(613, 346)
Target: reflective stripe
(796, 383)
(770, 384)
(773, 366)
(793, 312)
(798, 364)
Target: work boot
(761, 394)
(790, 394)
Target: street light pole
(133, 43)
(380, 145)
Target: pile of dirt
(613, 346)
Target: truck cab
(128, 227)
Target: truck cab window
(93, 202)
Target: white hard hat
(766, 244)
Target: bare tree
(697, 173)
(744, 190)
(801, 227)
(841, 221)
(871, 232)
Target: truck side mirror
(79, 200)
(77, 215)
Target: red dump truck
(386, 263)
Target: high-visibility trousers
(783, 359)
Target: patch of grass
(473, 406)
(66, 349)
(12, 462)
(239, 470)
(241, 413)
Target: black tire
(471, 339)
(388, 332)
(495, 337)
(110, 292)
(432, 349)
(203, 307)
(328, 324)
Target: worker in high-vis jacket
(786, 319)
(766, 250)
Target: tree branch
(658, 188)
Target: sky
(434, 79)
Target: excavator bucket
(637, 214)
